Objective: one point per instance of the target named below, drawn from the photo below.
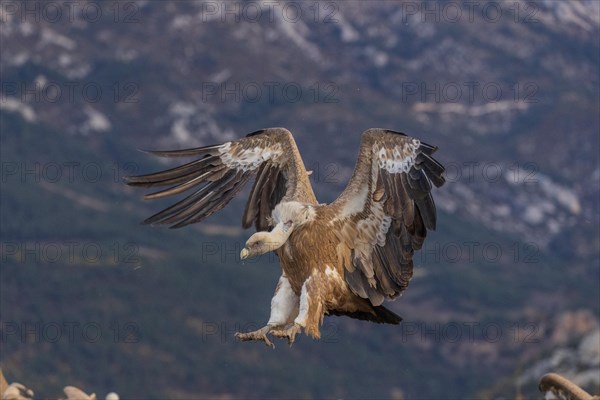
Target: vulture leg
(259, 334)
(284, 304)
(310, 315)
(284, 308)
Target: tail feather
(379, 315)
(386, 316)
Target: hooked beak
(244, 254)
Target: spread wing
(221, 171)
(384, 213)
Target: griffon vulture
(343, 258)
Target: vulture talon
(259, 334)
(288, 333)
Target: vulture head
(287, 217)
